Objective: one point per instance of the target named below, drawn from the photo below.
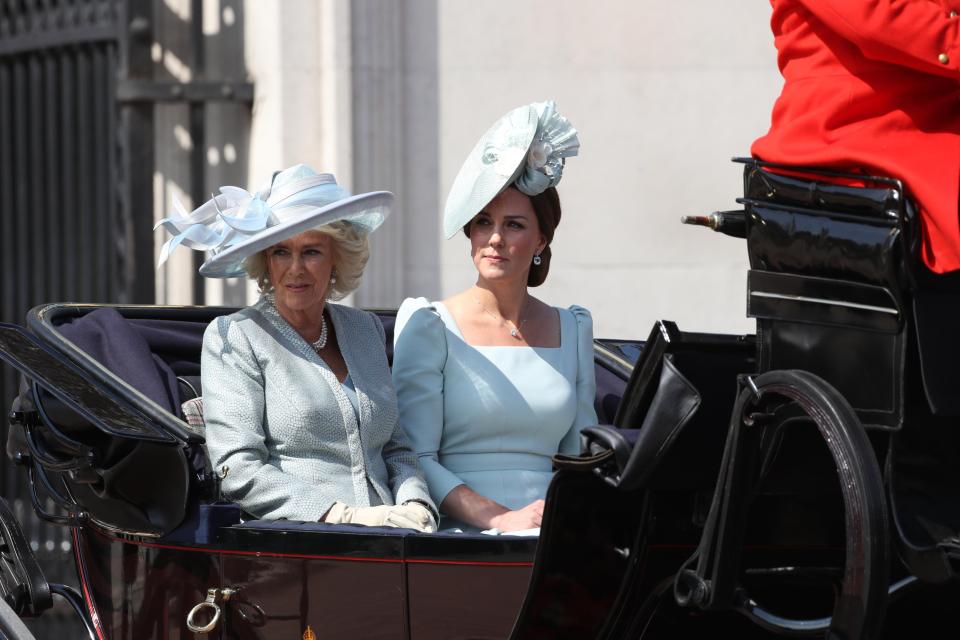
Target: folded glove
(408, 516)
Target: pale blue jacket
(279, 422)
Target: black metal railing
(78, 90)
(62, 232)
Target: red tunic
(872, 85)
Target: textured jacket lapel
(298, 345)
(354, 347)
(349, 339)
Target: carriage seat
(158, 355)
(836, 271)
(609, 391)
(887, 340)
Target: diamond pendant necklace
(514, 330)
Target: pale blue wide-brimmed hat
(235, 224)
(526, 148)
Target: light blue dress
(491, 417)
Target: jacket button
(943, 58)
(954, 14)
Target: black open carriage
(828, 505)
(160, 554)
(801, 481)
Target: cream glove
(420, 513)
(409, 516)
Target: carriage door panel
(466, 586)
(310, 584)
(144, 591)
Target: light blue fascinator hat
(526, 148)
(235, 224)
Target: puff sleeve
(234, 407)
(586, 382)
(419, 357)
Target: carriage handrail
(829, 173)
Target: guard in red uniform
(874, 86)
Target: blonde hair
(351, 250)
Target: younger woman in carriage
(493, 382)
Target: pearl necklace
(321, 342)
(317, 344)
(514, 330)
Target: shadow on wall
(396, 146)
(225, 126)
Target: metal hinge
(200, 91)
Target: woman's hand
(419, 514)
(529, 517)
(409, 516)
(463, 503)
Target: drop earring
(333, 277)
(537, 260)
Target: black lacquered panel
(471, 548)
(816, 243)
(282, 537)
(822, 301)
(865, 366)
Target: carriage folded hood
(100, 454)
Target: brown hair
(546, 206)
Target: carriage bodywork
(154, 540)
(805, 485)
(796, 482)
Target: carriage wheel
(11, 626)
(862, 581)
(859, 605)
